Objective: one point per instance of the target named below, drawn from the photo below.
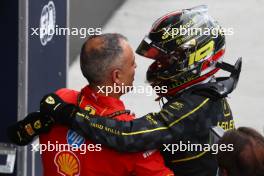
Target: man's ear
(116, 75)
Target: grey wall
(89, 13)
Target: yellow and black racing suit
(185, 118)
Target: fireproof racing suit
(96, 160)
(185, 118)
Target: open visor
(150, 50)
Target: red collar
(110, 102)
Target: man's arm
(147, 132)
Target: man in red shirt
(106, 61)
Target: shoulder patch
(74, 138)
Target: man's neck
(101, 90)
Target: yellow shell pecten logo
(50, 100)
(67, 163)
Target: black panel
(9, 67)
(47, 67)
(9, 60)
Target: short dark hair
(248, 155)
(97, 60)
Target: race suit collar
(107, 101)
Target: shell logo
(67, 163)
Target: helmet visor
(150, 50)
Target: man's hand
(24, 131)
(52, 105)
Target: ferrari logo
(50, 100)
(37, 124)
(91, 110)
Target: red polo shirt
(94, 159)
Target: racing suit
(186, 117)
(96, 160)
